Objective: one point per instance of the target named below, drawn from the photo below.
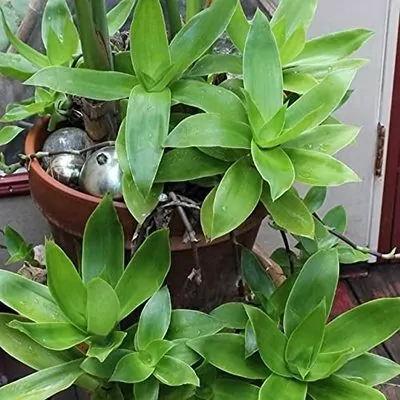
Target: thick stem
(193, 7)
(174, 17)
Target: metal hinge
(380, 148)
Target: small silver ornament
(102, 174)
(66, 168)
(65, 139)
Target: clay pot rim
(177, 243)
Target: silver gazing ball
(65, 139)
(101, 174)
(66, 168)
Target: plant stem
(193, 7)
(174, 17)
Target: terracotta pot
(67, 211)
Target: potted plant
(213, 135)
(276, 345)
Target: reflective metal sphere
(66, 168)
(101, 174)
(65, 139)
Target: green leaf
(217, 64)
(123, 63)
(147, 124)
(339, 388)
(52, 335)
(264, 85)
(27, 351)
(102, 307)
(283, 388)
(223, 154)
(147, 269)
(16, 66)
(66, 285)
(371, 369)
(120, 147)
(255, 275)
(101, 348)
(149, 47)
(147, 390)
(103, 255)
(321, 272)
(16, 246)
(131, 369)
(181, 165)
(238, 28)
(281, 294)
(55, 51)
(304, 344)
(332, 47)
(318, 169)
(43, 384)
(348, 255)
(271, 129)
(298, 82)
(30, 299)
(296, 13)
(173, 372)
(182, 352)
(336, 219)
(119, 14)
(294, 45)
(229, 389)
(226, 351)
(235, 199)
(271, 342)
(320, 101)
(250, 340)
(196, 37)
(104, 369)
(231, 315)
(189, 324)
(327, 139)
(210, 130)
(154, 319)
(279, 31)
(20, 112)
(377, 320)
(275, 167)
(157, 349)
(315, 198)
(96, 85)
(209, 98)
(29, 53)
(289, 212)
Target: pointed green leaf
(263, 84)
(238, 28)
(209, 98)
(305, 342)
(147, 271)
(195, 38)
(29, 53)
(157, 349)
(131, 369)
(147, 125)
(281, 294)
(103, 255)
(102, 307)
(147, 390)
(231, 315)
(377, 320)
(283, 388)
(226, 351)
(348, 255)
(275, 167)
(149, 47)
(271, 342)
(30, 299)
(66, 285)
(257, 121)
(318, 169)
(315, 198)
(340, 388)
(43, 384)
(332, 47)
(229, 389)
(123, 63)
(102, 348)
(16, 246)
(53, 335)
(184, 353)
(236, 198)
(210, 130)
(189, 324)
(206, 213)
(294, 45)
(96, 85)
(154, 319)
(118, 15)
(173, 372)
(271, 129)
(16, 66)
(372, 369)
(105, 369)
(250, 340)
(298, 82)
(217, 64)
(279, 31)
(181, 165)
(327, 139)
(19, 112)
(336, 219)
(321, 271)
(289, 212)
